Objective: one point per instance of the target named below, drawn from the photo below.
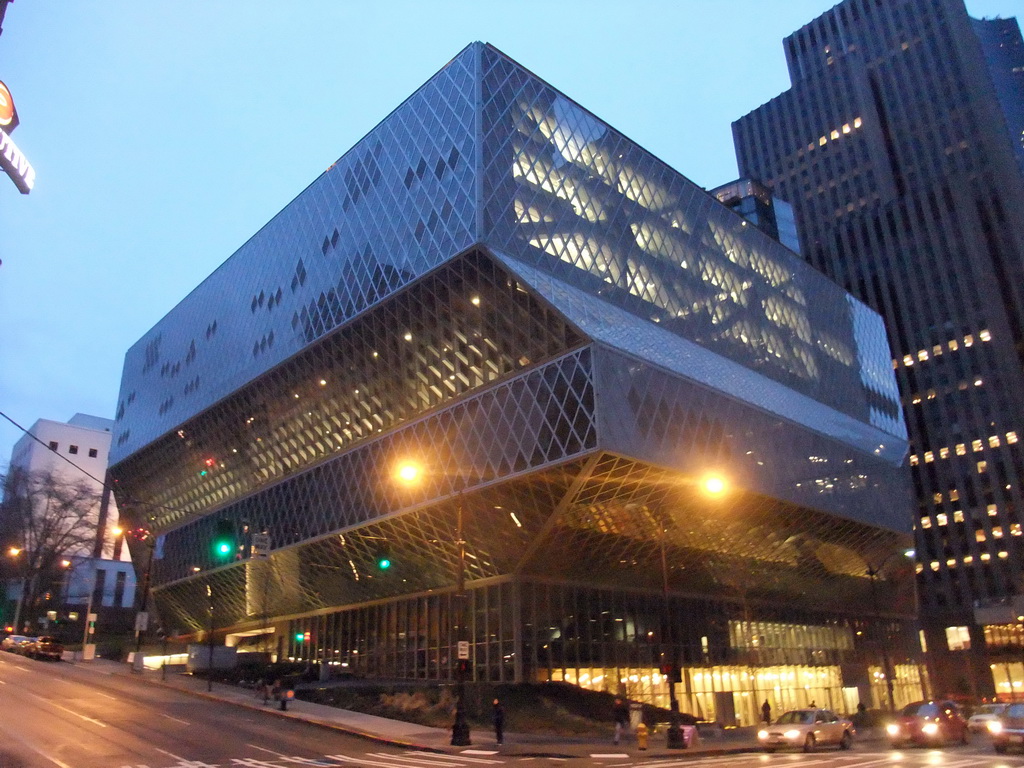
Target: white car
(806, 729)
(983, 715)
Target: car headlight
(892, 729)
(762, 734)
(930, 729)
(793, 734)
(994, 726)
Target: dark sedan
(44, 647)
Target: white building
(78, 451)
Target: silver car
(806, 729)
(983, 715)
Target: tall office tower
(1003, 48)
(564, 340)
(894, 151)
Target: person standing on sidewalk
(620, 713)
(499, 722)
(766, 712)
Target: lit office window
(958, 638)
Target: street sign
(260, 546)
(141, 621)
(463, 649)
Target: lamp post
(674, 735)
(15, 552)
(713, 486)
(886, 663)
(873, 573)
(409, 473)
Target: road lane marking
(264, 749)
(426, 758)
(92, 720)
(38, 751)
(170, 754)
(175, 719)
(364, 761)
(609, 756)
(459, 758)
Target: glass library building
(500, 375)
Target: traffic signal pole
(674, 734)
(460, 728)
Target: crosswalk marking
(428, 758)
(460, 758)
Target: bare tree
(47, 519)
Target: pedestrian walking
(766, 712)
(620, 713)
(499, 721)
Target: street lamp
(409, 473)
(713, 486)
(27, 585)
(873, 572)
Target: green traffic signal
(224, 539)
(383, 563)
(300, 636)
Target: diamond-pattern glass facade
(565, 335)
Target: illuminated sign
(15, 164)
(8, 114)
(12, 159)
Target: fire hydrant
(641, 736)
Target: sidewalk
(409, 735)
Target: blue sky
(164, 134)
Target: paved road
(56, 714)
(978, 755)
(82, 717)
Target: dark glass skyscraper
(1003, 48)
(895, 152)
(567, 337)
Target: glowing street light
(410, 472)
(714, 485)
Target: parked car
(14, 643)
(983, 715)
(927, 723)
(44, 647)
(1007, 728)
(806, 729)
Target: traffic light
(224, 540)
(672, 672)
(383, 558)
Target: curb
(371, 737)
